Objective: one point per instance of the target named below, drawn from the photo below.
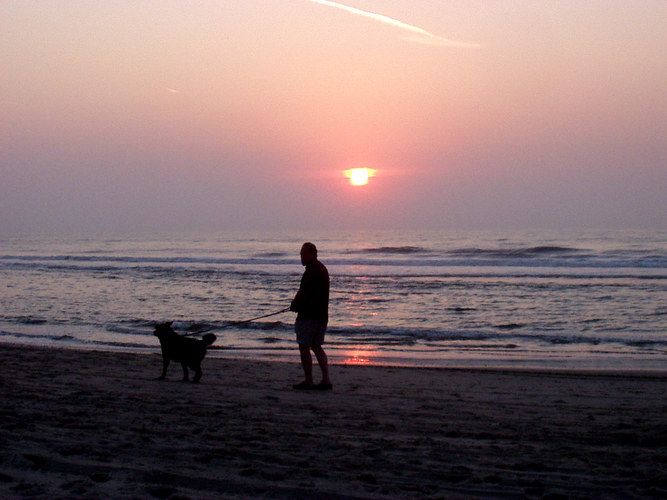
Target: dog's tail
(208, 339)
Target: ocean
(553, 300)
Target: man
(312, 305)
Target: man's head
(308, 253)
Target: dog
(186, 351)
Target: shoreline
(454, 363)
(96, 424)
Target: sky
(165, 115)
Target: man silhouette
(312, 306)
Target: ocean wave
(399, 270)
(120, 259)
(519, 252)
(387, 257)
(394, 250)
(30, 320)
(263, 255)
(503, 333)
(127, 334)
(41, 338)
(184, 327)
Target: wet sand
(82, 424)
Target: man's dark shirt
(312, 299)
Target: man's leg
(323, 361)
(307, 363)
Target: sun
(359, 176)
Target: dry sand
(80, 424)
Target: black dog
(188, 352)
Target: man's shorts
(310, 331)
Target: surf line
(236, 323)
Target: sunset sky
(245, 114)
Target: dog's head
(163, 330)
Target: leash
(236, 323)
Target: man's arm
(296, 301)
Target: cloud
(417, 34)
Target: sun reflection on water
(359, 357)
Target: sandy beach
(83, 424)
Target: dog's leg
(197, 369)
(185, 372)
(165, 365)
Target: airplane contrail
(419, 35)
